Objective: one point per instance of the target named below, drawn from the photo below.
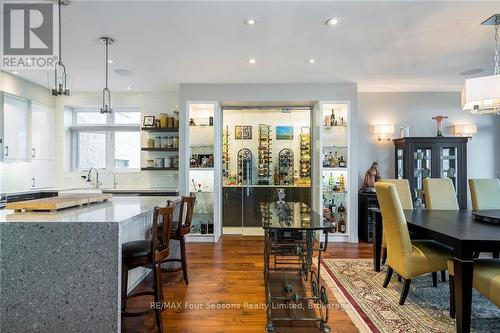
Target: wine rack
(285, 166)
(225, 152)
(244, 175)
(264, 154)
(305, 153)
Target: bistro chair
(149, 254)
(440, 194)
(407, 258)
(182, 228)
(485, 193)
(485, 279)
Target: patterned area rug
(358, 288)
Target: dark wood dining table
(461, 231)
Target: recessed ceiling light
(15, 72)
(332, 21)
(110, 61)
(128, 87)
(252, 61)
(311, 61)
(472, 71)
(124, 72)
(250, 21)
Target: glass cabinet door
(422, 166)
(448, 167)
(400, 163)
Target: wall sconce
(465, 130)
(383, 132)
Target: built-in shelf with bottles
(334, 150)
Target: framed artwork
(149, 121)
(284, 132)
(243, 132)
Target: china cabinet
(417, 158)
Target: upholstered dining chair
(407, 258)
(485, 193)
(485, 279)
(440, 194)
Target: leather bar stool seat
(136, 249)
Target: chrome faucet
(97, 184)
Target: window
(106, 141)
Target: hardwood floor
(228, 272)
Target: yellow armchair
(408, 259)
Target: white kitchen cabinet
(42, 173)
(15, 129)
(42, 132)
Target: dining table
(465, 232)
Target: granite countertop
(117, 210)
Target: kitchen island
(61, 272)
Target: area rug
(372, 308)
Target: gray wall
(415, 109)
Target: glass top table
(291, 216)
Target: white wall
(416, 109)
(16, 176)
(150, 103)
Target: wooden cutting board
(55, 203)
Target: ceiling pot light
(482, 95)
(128, 87)
(252, 61)
(15, 72)
(311, 61)
(332, 21)
(59, 86)
(106, 94)
(472, 71)
(124, 72)
(110, 61)
(250, 21)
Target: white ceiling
(383, 46)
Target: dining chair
(407, 258)
(149, 254)
(404, 194)
(440, 194)
(485, 193)
(182, 228)
(485, 279)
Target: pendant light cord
(107, 42)
(497, 48)
(60, 48)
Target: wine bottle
(341, 208)
(342, 225)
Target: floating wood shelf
(159, 149)
(159, 169)
(160, 129)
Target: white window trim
(109, 128)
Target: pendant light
(106, 94)
(482, 95)
(60, 85)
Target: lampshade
(383, 131)
(465, 129)
(482, 94)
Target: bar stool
(149, 254)
(183, 228)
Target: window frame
(110, 128)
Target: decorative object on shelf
(404, 131)
(191, 122)
(106, 94)
(201, 161)
(157, 123)
(383, 132)
(481, 95)
(159, 162)
(466, 130)
(285, 167)
(242, 132)
(264, 154)
(150, 163)
(60, 86)
(305, 155)
(284, 132)
(281, 195)
(371, 177)
(225, 152)
(439, 124)
(244, 176)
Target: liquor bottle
(333, 225)
(331, 180)
(341, 183)
(341, 208)
(333, 206)
(325, 161)
(276, 177)
(333, 122)
(342, 163)
(342, 225)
